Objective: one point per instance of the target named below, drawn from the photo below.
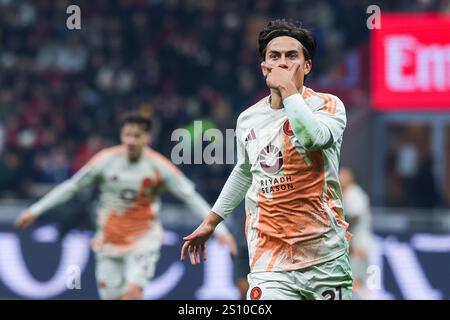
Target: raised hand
(281, 78)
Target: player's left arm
(315, 130)
(318, 129)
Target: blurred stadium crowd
(62, 92)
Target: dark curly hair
(134, 117)
(281, 27)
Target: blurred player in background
(131, 177)
(288, 147)
(357, 211)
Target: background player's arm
(61, 193)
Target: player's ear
(264, 69)
(307, 67)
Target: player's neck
(135, 158)
(275, 99)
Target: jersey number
(331, 294)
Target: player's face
(135, 138)
(284, 52)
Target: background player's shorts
(115, 273)
(331, 280)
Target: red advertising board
(411, 63)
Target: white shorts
(114, 274)
(331, 280)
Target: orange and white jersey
(129, 197)
(292, 193)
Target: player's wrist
(287, 89)
(212, 219)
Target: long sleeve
(317, 129)
(67, 190)
(237, 184)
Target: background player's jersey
(129, 197)
(357, 210)
(294, 204)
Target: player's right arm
(232, 194)
(237, 184)
(63, 192)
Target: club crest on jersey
(287, 129)
(147, 182)
(270, 159)
(256, 293)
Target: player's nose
(282, 62)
